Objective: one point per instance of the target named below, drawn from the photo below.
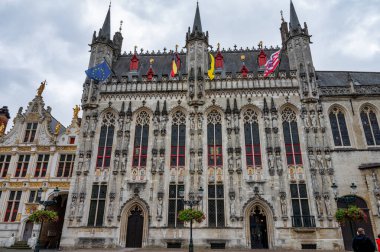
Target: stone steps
(20, 245)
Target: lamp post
(45, 203)
(194, 200)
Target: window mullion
(340, 132)
(371, 128)
(292, 143)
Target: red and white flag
(272, 63)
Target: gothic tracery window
(252, 138)
(215, 159)
(370, 125)
(140, 150)
(105, 141)
(291, 138)
(178, 141)
(339, 127)
(214, 139)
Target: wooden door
(258, 229)
(135, 228)
(27, 231)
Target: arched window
(339, 127)
(252, 138)
(291, 138)
(177, 158)
(214, 139)
(215, 158)
(140, 149)
(370, 125)
(105, 141)
(178, 142)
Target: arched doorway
(135, 228)
(349, 229)
(134, 223)
(258, 229)
(259, 224)
(51, 232)
(27, 231)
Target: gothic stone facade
(265, 150)
(37, 152)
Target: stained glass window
(140, 150)
(105, 141)
(291, 138)
(252, 138)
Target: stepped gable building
(37, 152)
(265, 151)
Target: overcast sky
(45, 39)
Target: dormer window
(219, 62)
(134, 64)
(262, 59)
(72, 140)
(30, 132)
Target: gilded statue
(2, 129)
(41, 89)
(57, 129)
(76, 111)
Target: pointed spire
(197, 26)
(265, 109)
(272, 106)
(164, 110)
(129, 111)
(157, 112)
(294, 22)
(236, 110)
(122, 112)
(106, 29)
(228, 108)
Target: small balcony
(305, 221)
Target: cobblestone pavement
(161, 250)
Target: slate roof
(341, 78)
(162, 62)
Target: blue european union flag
(99, 72)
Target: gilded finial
(282, 17)
(76, 110)
(218, 46)
(151, 61)
(260, 45)
(57, 129)
(41, 88)
(2, 129)
(176, 48)
(121, 24)
(242, 57)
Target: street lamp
(347, 199)
(193, 201)
(45, 203)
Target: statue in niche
(274, 122)
(116, 164)
(319, 206)
(312, 161)
(192, 122)
(320, 160)
(230, 162)
(313, 118)
(163, 123)
(192, 163)
(266, 121)
(200, 167)
(159, 208)
(278, 160)
(162, 164)
(326, 198)
(238, 162)
(200, 120)
(229, 122)
(123, 161)
(233, 211)
(271, 160)
(191, 89)
(284, 211)
(322, 120)
(328, 160)
(156, 122)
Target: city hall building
(269, 159)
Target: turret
(197, 60)
(297, 42)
